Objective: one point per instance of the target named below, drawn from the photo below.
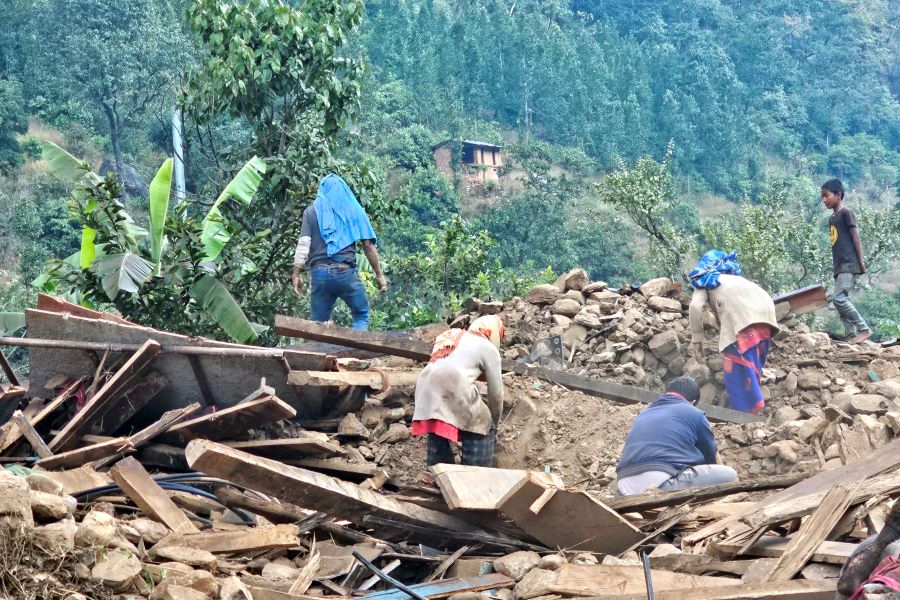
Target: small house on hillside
(479, 160)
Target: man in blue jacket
(671, 445)
(331, 227)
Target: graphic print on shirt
(833, 234)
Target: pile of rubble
(142, 464)
(814, 387)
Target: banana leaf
(122, 272)
(158, 200)
(223, 309)
(11, 322)
(242, 188)
(63, 165)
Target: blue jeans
(333, 281)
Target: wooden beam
(770, 546)
(445, 588)
(299, 448)
(371, 379)
(650, 500)
(85, 455)
(597, 528)
(31, 435)
(249, 539)
(226, 423)
(311, 490)
(800, 589)
(106, 397)
(603, 580)
(793, 508)
(148, 496)
(408, 348)
(341, 469)
(394, 345)
(805, 299)
(811, 534)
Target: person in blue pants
(330, 230)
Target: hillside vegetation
(635, 135)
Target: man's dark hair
(835, 186)
(685, 386)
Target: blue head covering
(711, 265)
(342, 221)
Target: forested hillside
(634, 136)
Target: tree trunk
(114, 133)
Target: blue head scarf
(342, 221)
(711, 265)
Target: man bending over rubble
(671, 445)
(449, 407)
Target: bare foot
(861, 336)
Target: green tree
(289, 74)
(13, 121)
(646, 194)
(123, 58)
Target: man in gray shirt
(332, 261)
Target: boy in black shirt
(847, 255)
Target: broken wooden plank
(800, 589)
(811, 534)
(773, 514)
(148, 496)
(49, 303)
(597, 527)
(770, 546)
(344, 336)
(603, 580)
(853, 444)
(311, 490)
(78, 480)
(357, 473)
(375, 380)
(232, 370)
(142, 437)
(884, 459)
(249, 539)
(804, 300)
(14, 435)
(289, 448)
(134, 400)
(649, 500)
(475, 488)
(33, 437)
(85, 454)
(226, 423)
(435, 590)
(106, 397)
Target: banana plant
(112, 256)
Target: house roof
(469, 143)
